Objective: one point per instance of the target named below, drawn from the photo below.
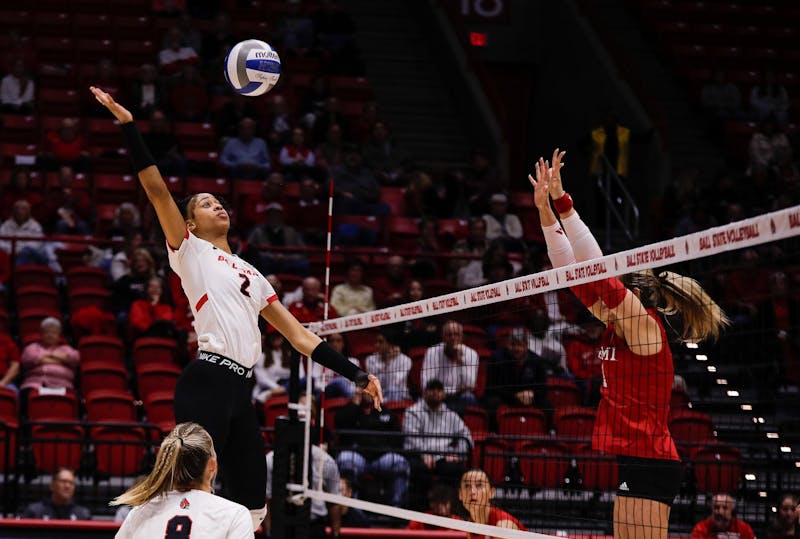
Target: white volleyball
(252, 67)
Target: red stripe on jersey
(201, 302)
(273, 298)
(186, 237)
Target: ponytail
(180, 465)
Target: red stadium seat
(574, 424)
(493, 459)
(56, 445)
(475, 336)
(152, 377)
(8, 407)
(717, 468)
(59, 102)
(598, 471)
(8, 446)
(42, 297)
(274, 407)
(50, 23)
(543, 463)
(521, 421)
(477, 420)
(136, 51)
(92, 24)
(119, 449)
(19, 129)
(115, 188)
(84, 297)
(438, 287)
(34, 276)
(30, 321)
(13, 154)
(351, 88)
(215, 186)
(104, 133)
(197, 136)
(16, 19)
(105, 405)
(91, 50)
(403, 232)
(98, 376)
(395, 197)
(399, 408)
(690, 430)
(86, 277)
(155, 351)
(101, 349)
(136, 27)
(331, 407)
(159, 410)
(45, 405)
(562, 392)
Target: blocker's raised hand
(556, 189)
(541, 185)
(120, 113)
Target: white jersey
(226, 295)
(194, 514)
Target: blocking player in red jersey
(637, 370)
(476, 492)
(226, 295)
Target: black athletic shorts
(653, 479)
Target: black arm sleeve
(330, 358)
(139, 153)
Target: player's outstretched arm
(309, 344)
(172, 222)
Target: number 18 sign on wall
(484, 10)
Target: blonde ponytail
(180, 465)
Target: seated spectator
(331, 114)
(481, 180)
(370, 452)
(9, 362)
(353, 296)
(768, 144)
(425, 265)
(383, 157)
(516, 376)
(70, 223)
(164, 145)
(769, 98)
(330, 153)
(786, 523)
(440, 503)
(131, 286)
(246, 155)
(154, 314)
(175, 54)
(127, 221)
(420, 331)
(501, 225)
(20, 188)
(722, 522)
(475, 244)
(362, 126)
(17, 90)
(390, 287)
(146, 93)
(546, 343)
(66, 146)
(274, 232)
(389, 364)
(311, 307)
(48, 362)
(315, 218)
(476, 493)
(296, 158)
(583, 360)
(356, 189)
(60, 505)
(721, 97)
(312, 104)
(230, 115)
(279, 122)
(120, 262)
(66, 196)
(22, 225)
(437, 439)
(338, 386)
(453, 364)
(271, 372)
(352, 517)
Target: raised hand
(120, 113)
(374, 389)
(556, 189)
(541, 185)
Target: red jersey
(9, 353)
(736, 530)
(414, 525)
(632, 417)
(496, 515)
(582, 358)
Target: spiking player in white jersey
(226, 295)
(176, 499)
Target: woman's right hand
(541, 185)
(556, 189)
(120, 113)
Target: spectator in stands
(146, 92)
(390, 364)
(322, 513)
(722, 521)
(721, 97)
(70, 223)
(353, 296)
(476, 493)
(372, 450)
(48, 362)
(230, 115)
(768, 144)
(127, 221)
(425, 265)
(352, 517)
(440, 503)
(516, 376)
(246, 156)
(769, 98)
(120, 262)
(330, 153)
(131, 286)
(332, 114)
(785, 525)
(153, 315)
(20, 188)
(60, 505)
(191, 37)
(279, 120)
(481, 180)
(311, 307)
(362, 126)
(296, 158)
(66, 196)
(584, 362)
(474, 244)
(501, 225)
(421, 331)
(390, 287)
(66, 146)
(455, 365)
(164, 145)
(339, 386)
(384, 157)
(22, 225)
(17, 90)
(9, 362)
(174, 55)
(274, 232)
(436, 438)
(546, 343)
(271, 372)
(356, 189)
(312, 105)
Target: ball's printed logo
(266, 55)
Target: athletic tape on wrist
(563, 204)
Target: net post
(289, 520)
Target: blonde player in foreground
(176, 499)
(226, 295)
(636, 360)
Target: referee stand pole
(289, 520)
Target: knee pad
(258, 516)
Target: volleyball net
(506, 378)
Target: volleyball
(252, 67)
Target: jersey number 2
(245, 284)
(179, 527)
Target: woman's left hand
(541, 185)
(374, 389)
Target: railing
(615, 194)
